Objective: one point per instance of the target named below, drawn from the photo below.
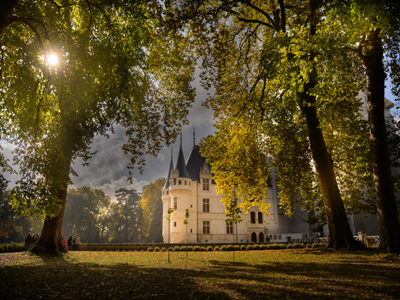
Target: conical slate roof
(166, 185)
(194, 163)
(181, 166)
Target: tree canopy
(152, 211)
(114, 67)
(286, 82)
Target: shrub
(256, 247)
(190, 248)
(196, 248)
(150, 249)
(209, 248)
(298, 245)
(236, 247)
(249, 247)
(176, 248)
(263, 247)
(216, 248)
(229, 248)
(183, 248)
(157, 249)
(170, 249)
(316, 245)
(1, 249)
(243, 247)
(202, 248)
(163, 249)
(224, 248)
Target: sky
(107, 169)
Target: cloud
(107, 169)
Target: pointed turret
(166, 185)
(180, 163)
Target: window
(229, 228)
(206, 205)
(254, 237)
(185, 182)
(174, 224)
(253, 217)
(175, 203)
(206, 227)
(174, 181)
(279, 237)
(180, 182)
(261, 237)
(206, 184)
(190, 230)
(167, 192)
(260, 217)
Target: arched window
(254, 237)
(260, 217)
(175, 203)
(253, 217)
(261, 237)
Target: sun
(52, 59)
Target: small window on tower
(185, 182)
(175, 203)
(174, 181)
(180, 182)
(174, 224)
(206, 184)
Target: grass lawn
(266, 274)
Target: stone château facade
(190, 186)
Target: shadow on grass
(59, 277)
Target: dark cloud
(107, 169)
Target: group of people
(70, 244)
(30, 239)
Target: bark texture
(50, 237)
(339, 233)
(388, 218)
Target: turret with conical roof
(171, 167)
(180, 164)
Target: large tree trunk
(50, 238)
(388, 218)
(339, 233)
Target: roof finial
(194, 137)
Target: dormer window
(206, 184)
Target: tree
(269, 63)
(12, 227)
(128, 215)
(114, 67)
(377, 22)
(152, 211)
(82, 209)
